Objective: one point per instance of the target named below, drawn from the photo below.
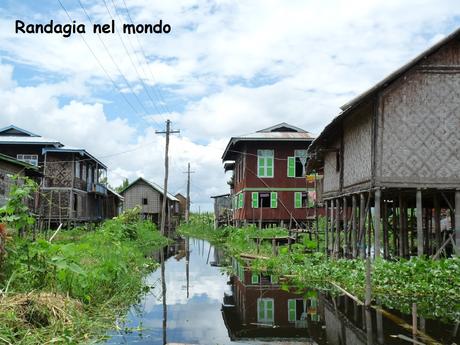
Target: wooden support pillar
(353, 227)
(385, 229)
(332, 227)
(345, 227)
(377, 203)
(337, 228)
(401, 225)
(326, 227)
(362, 224)
(437, 221)
(420, 223)
(369, 229)
(457, 222)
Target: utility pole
(187, 207)
(168, 131)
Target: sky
(226, 68)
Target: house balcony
(97, 188)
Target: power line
(158, 91)
(100, 64)
(139, 62)
(130, 59)
(115, 63)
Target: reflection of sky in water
(197, 320)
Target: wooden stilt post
(401, 226)
(369, 230)
(332, 226)
(368, 295)
(419, 223)
(437, 221)
(337, 228)
(385, 229)
(457, 222)
(377, 203)
(345, 227)
(395, 225)
(326, 227)
(353, 227)
(362, 224)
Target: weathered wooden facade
(149, 197)
(391, 161)
(222, 210)
(72, 188)
(182, 205)
(9, 167)
(269, 184)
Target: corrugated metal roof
(271, 134)
(71, 149)
(29, 140)
(115, 193)
(15, 161)
(151, 184)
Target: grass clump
(73, 289)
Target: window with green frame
(254, 278)
(240, 200)
(265, 310)
(265, 163)
(273, 200)
(297, 163)
(292, 310)
(300, 199)
(255, 199)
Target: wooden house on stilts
(391, 161)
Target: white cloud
(227, 68)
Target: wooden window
(291, 166)
(265, 163)
(255, 199)
(77, 169)
(254, 278)
(145, 201)
(75, 202)
(291, 310)
(265, 310)
(31, 159)
(273, 200)
(264, 199)
(300, 199)
(297, 164)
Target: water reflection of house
(259, 308)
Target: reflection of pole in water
(163, 290)
(187, 263)
(368, 326)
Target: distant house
(269, 184)
(222, 210)
(396, 148)
(73, 187)
(149, 197)
(182, 205)
(9, 167)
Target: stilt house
(73, 187)
(396, 149)
(269, 184)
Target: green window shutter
(291, 166)
(269, 168)
(291, 310)
(298, 199)
(255, 279)
(261, 166)
(269, 310)
(261, 309)
(273, 200)
(273, 279)
(240, 200)
(255, 199)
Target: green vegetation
(433, 284)
(72, 289)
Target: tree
(124, 184)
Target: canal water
(197, 302)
